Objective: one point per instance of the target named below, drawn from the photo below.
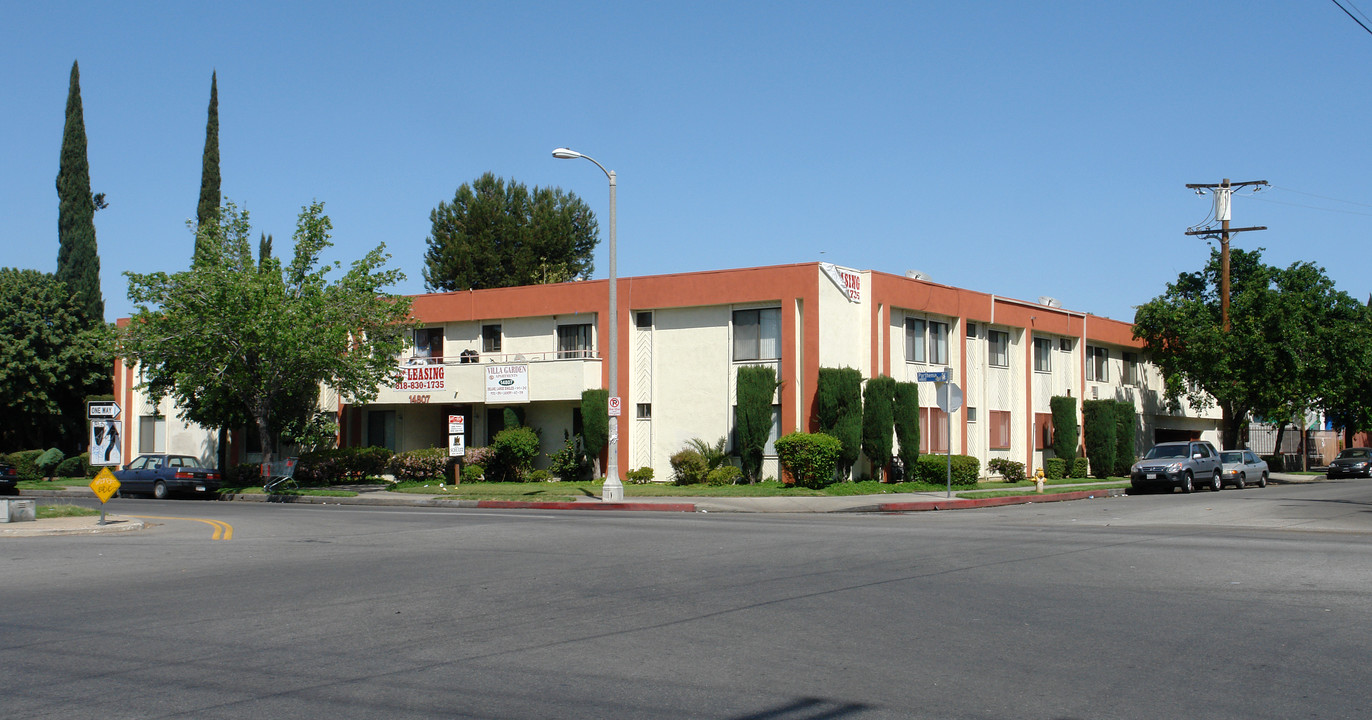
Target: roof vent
(917, 275)
(1049, 301)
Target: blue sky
(1019, 148)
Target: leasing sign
(507, 383)
(421, 377)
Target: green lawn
(44, 512)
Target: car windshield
(1165, 451)
(1354, 453)
(1233, 457)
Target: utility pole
(1223, 191)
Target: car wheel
(159, 490)
(1215, 483)
(1240, 484)
(1187, 483)
(1262, 481)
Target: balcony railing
(475, 357)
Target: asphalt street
(1241, 604)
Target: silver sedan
(1242, 467)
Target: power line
(1322, 197)
(1351, 15)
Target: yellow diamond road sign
(105, 485)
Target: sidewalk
(375, 496)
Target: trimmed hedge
(757, 384)
(1055, 468)
(24, 462)
(933, 469)
(1125, 418)
(1064, 408)
(838, 412)
(47, 462)
(331, 465)
(1079, 467)
(1101, 436)
(640, 476)
(810, 458)
(425, 464)
(905, 413)
(76, 466)
(878, 419)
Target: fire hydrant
(1038, 480)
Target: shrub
(753, 415)
(714, 455)
(478, 456)
(473, 473)
(1125, 417)
(878, 419)
(1275, 463)
(1064, 410)
(906, 417)
(595, 423)
(1079, 467)
(838, 412)
(540, 476)
(244, 475)
(723, 475)
(1055, 468)
(24, 463)
(47, 462)
(515, 450)
(933, 469)
(330, 465)
(425, 464)
(1101, 437)
(569, 462)
(811, 459)
(1011, 470)
(75, 466)
(688, 467)
(640, 476)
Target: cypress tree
(208, 210)
(906, 413)
(838, 412)
(78, 263)
(1125, 419)
(878, 421)
(1101, 435)
(753, 415)
(1064, 426)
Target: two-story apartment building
(682, 338)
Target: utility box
(18, 510)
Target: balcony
(495, 378)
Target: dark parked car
(1242, 467)
(9, 478)
(162, 475)
(1178, 464)
(1353, 462)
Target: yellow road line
(222, 530)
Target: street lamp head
(566, 154)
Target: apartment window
(971, 330)
(914, 340)
(1065, 344)
(757, 334)
(574, 341)
(490, 338)
(428, 345)
(152, 434)
(1131, 369)
(643, 320)
(1000, 429)
(381, 429)
(998, 345)
(971, 414)
(938, 343)
(933, 430)
(1043, 430)
(1043, 355)
(645, 411)
(1096, 366)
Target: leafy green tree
(1273, 361)
(495, 234)
(838, 412)
(233, 343)
(1064, 409)
(78, 262)
(50, 361)
(906, 415)
(1347, 400)
(595, 423)
(757, 385)
(878, 421)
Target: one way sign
(102, 410)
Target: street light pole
(613, 490)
